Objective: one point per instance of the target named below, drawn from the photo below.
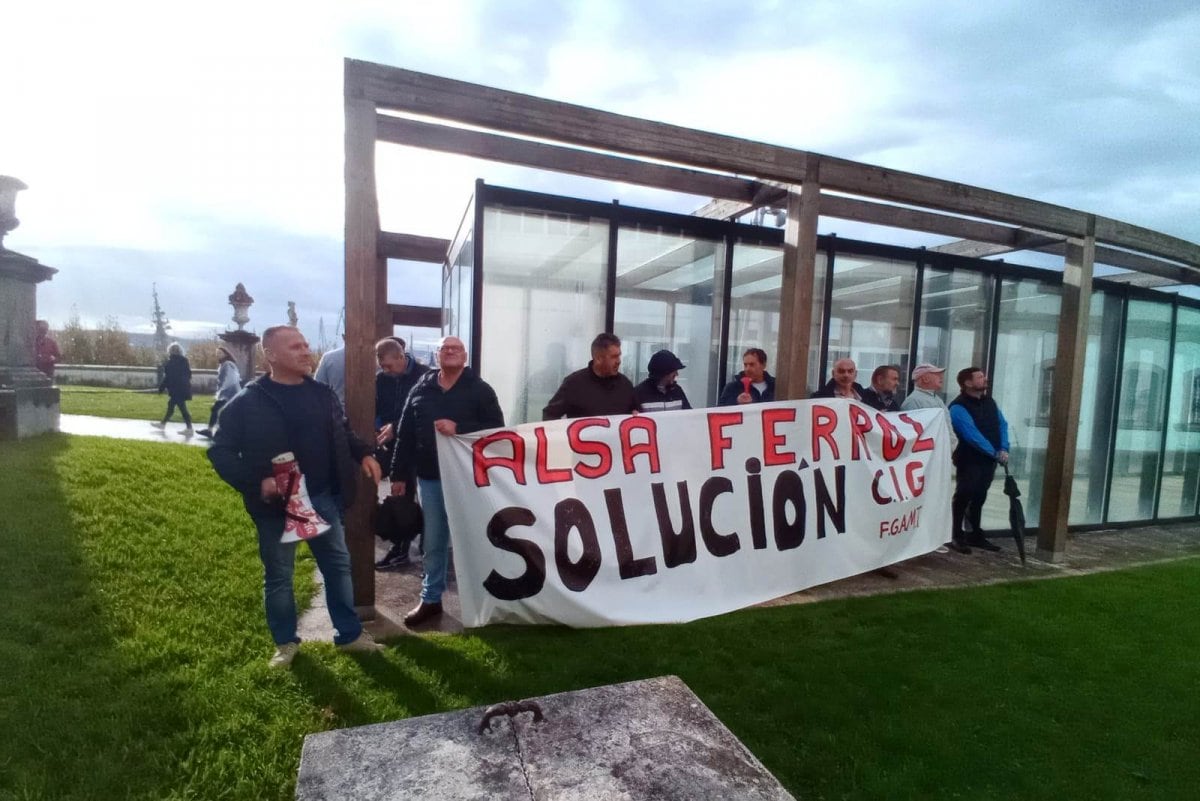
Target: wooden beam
(411, 247)
(416, 316)
(1066, 394)
(508, 150)
(796, 297)
(1134, 237)
(363, 267)
(1141, 279)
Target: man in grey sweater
(927, 383)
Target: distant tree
(203, 354)
(161, 326)
(111, 344)
(75, 342)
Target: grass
(132, 662)
(128, 403)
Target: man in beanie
(659, 392)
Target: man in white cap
(927, 383)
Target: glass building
(531, 278)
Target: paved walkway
(120, 428)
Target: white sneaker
(942, 549)
(363, 644)
(159, 425)
(284, 654)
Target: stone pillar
(241, 343)
(28, 399)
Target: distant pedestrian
(46, 352)
(597, 390)
(177, 383)
(660, 392)
(881, 394)
(842, 383)
(229, 383)
(332, 372)
(753, 384)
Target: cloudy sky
(200, 146)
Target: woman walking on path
(229, 383)
(177, 383)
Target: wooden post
(1066, 395)
(796, 296)
(363, 316)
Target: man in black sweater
(288, 411)
(447, 401)
(597, 390)
(398, 374)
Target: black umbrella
(1016, 514)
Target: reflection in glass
(1027, 336)
(1096, 409)
(1142, 408)
(871, 313)
(955, 310)
(1181, 465)
(543, 302)
(754, 307)
(669, 290)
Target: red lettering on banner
(915, 475)
(893, 440)
(860, 424)
(482, 462)
(824, 423)
(772, 441)
(583, 447)
(718, 443)
(630, 451)
(545, 473)
(920, 443)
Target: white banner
(672, 517)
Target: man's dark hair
(884, 369)
(403, 345)
(270, 333)
(964, 375)
(604, 341)
(388, 345)
(757, 353)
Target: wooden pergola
(381, 104)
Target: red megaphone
(746, 384)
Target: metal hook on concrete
(509, 708)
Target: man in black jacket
(760, 388)
(447, 401)
(398, 374)
(842, 383)
(288, 411)
(660, 392)
(881, 394)
(597, 390)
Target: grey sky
(198, 149)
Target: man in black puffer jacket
(288, 411)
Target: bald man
(842, 383)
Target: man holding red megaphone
(753, 385)
(287, 412)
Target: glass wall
(1026, 338)
(544, 300)
(1096, 409)
(871, 312)
(1181, 462)
(457, 280)
(956, 310)
(755, 296)
(669, 295)
(1143, 398)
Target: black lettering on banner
(627, 565)
(570, 514)
(717, 544)
(788, 489)
(530, 582)
(826, 506)
(758, 526)
(679, 548)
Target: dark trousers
(970, 493)
(183, 409)
(216, 409)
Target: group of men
(287, 410)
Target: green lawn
(128, 403)
(133, 662)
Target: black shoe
(886, 572)
(958, 546)
(397, 556)
(204, 432)
(982, 544)
(423, 614)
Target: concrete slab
(120, 428)
(650, 739)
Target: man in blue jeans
(286, 411)
(447, 401)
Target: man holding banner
(450, 401)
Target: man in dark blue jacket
(660, 392)
(447, 401)
(398, 374)
(761, 383)
(982, 444)
(288, 411)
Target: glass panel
(543, 300)
(669, 288)
(1181, 468)
(1142, 408)
(1026, 339)
(754, 307)
(464, 270)
(1096, 410)
(955, 310)
(871, 313)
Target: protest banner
(672, 517)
